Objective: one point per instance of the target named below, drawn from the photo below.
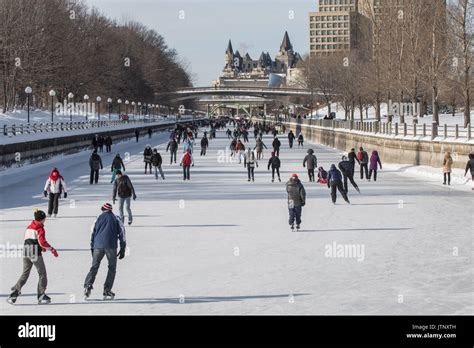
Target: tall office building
(336, 26)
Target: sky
(200, 29)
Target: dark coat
(470, 166)
(276, 144)
(95, 162)
(296, 193)
(147, 153)
(156, 159)
(123, 187)
(204, 142)
(172, 146)
(274, 162)
(346, 168)
(310, 161)
(334, 175)
(117, 163)
(108, 230)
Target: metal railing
(427, 131)
(35, 128)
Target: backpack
(123, 190)
(187, 159)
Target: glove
(54, 252)
(192, 165)
(92, 252)
(180, 164)
(121, 253)
(134, 197)
(45, 193)
(65, 194)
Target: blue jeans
(129, 211)
(295, 214)
(97, 257)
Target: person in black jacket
(470, 167)
(363, 158)
(150, 132)
(137, 134)
(296, 200)
(173, 148)
(335, 183)
(300, 140)
(204, 145)
(352, 156)
(95, 142)
(95, 163)
(346, 169)
(276, 146)
(123, 188)
(157, 161)
(108, 143)
(101, 143)
(275, 163)
(117, 164)
(147, 153)
(291, 138)
(311, 162)
(107, 233)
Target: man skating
(157, 161)
(291, 138)
(186, 162)
(107, 232)
(250, 161)
(276, 146)
(363, 158)
(310, 162)
(346, 169)
(296, 201)
(204, 145)
(35, 243)
(95, 164)
(173, 148)
(275, 163)
(123, 188)
(335, 183)
(117, 164)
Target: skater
(107, 232)
(300, 140)
(108, 143)
(186, 162)
(95, 163)
(95, 142)
(233, 147)
(204, 145)
(150, 132)
(250, 162)
(123, 188)
(245, 135)
(470, 167)
(352, 156)
(229, 133)
(259, 146)
(363, 158)
(275, 163)
(137, 134)
(335, 183)
(35, 244)
(101, 143)
(240, 150)
(117, 164)
(188, 144)
(147, 153)
(346, 169)
(296, 200)
(322, 176)
(291, 138)
(447, 167)
(312, 162)
(276, 146)
(173, 147)
(157, 161)
(55, 185)
(375, 161)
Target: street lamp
(133, 108)
(126, 106)
(70, 96)
(52, 94)
(98, 99)
(28, 91)
(86, 98)
(119, 102)
(109, 101)
(139, 109)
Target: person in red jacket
(186, 162)
(35, 244)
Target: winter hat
(118, 172)
(95, 151)
(273, 153)
(294, 175)
(344, 158)
(361, 148)
(39, 215)
(106, 207)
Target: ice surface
(221, 245)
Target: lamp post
(52, 93)
(98, 100)
(119, 102)
(127, 103)
(139, 109)
(86, 98)
(133, 108)
(70, 96)
(109, 103)
(28, 91)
